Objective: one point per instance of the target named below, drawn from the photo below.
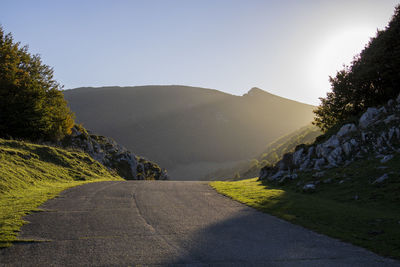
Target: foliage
(372, 79)
(350, 208)
(32, 105)
(31, 174)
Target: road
(169, 223)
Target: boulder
(369, 117)
(319, 163)
(277, 175)
(347, 148)
(346, 129)
(334, 157)
(309, 188)
(332, 142)
(297, 156)
(319, 174)
(265, 172)
(381, 179)
(390, 118)
(386, 158)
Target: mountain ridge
(181, 125)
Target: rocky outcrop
(377, 133)
(114, 156)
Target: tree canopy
(372, 78)
(32, 105)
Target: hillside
(30, 174)
(189, 131)
(346, 184)
(272, 154)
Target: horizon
(285, 48)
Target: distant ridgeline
(190, 131)
(271, 155)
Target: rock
(309, 188)
(398, 99)
(356, 197)
(346, 129)
(386, 158)
(318, 174)
(277, 175)
(347, 148)
(327, 181)
(284, 179)
(265, 172)
(286, 163)
(368, 117)
(319, 163)
(334, 157)
(332, 142)
(390, 118)
(390, 103)
(382, 110)
(310, 152)
(382, 167)
(297, 156)
(381, 179)
(305, 165)
(112, 155)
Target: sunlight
(334, 51)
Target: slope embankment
(30, 174)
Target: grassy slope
(272, 154)
(31, 174)
(370, 220)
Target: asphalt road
(169, 223)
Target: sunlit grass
(370, 223)
(31, 174)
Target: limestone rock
(346, 129)
(368, 117)
(381, 179)
(386, 158)
(297, 156)
(309, 188)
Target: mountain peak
(254, 91)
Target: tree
(372, 79)
(32, 105)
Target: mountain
(189, 131)
(272, 153)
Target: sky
(288, 48)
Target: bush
(32, 105)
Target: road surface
(169, 223)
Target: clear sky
(288, 48)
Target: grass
(31, 174)
(349, 207)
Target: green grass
(371, 220)
(31, 174)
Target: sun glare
(335, 51)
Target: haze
(288, 48)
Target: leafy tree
(372, 79)
(32, 104)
